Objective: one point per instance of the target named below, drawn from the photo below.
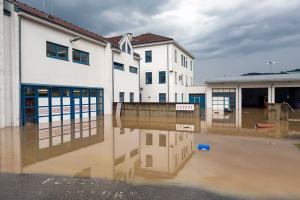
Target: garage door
(44, 104)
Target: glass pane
(55, 92)
(29, 102)
(62, 52)
(93, 92)
(51, 50)
(76, 93)
(43, 92)
(85, 58)
(66, 92)
(85, 92)
(29, 91)
(76, 56)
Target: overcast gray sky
(227, 37)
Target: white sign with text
(185, 107)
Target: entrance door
(198, 99)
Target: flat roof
(255, 78)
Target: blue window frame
(57, 51)
(51, 103)
(162, 97)
(121, 96)
(162, 77)
(148, 56)
(148, 77)
(133, 69)
(118, 66)
(81, 57)
(131, 97)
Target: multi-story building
(166, 68)
(126, 65)
(53, 70)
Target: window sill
(58, 58)
(88, 64)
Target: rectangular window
(182, 97)
(133, 69)
(81, 57)
(57, 51)
(186, 81)
(149, 139)
(176, 97)
(131, 97)
(148, 77)
(162, 77)
(149, 161)
(181, 60)
(175, 77)
(191, 65)
(118, 66)
(162, 140)
(124, 47)
(121, 96)
(128, 49)
(162, 97)
(175, 56)
(148, 56)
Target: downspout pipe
(21, 120)
(168, 72)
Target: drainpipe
(20, 70)
(168, 72)
(113, 77)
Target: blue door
(198, 98)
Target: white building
(126, 64)
(250, 91)
(53, 70)
(166, 69)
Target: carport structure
(256, 91)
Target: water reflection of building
(163, 153)
(96, 148)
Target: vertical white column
(108, 88)
(2, 70)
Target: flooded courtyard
(243, 161)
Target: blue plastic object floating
(203, 147)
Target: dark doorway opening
(254, 97)
(290, 95)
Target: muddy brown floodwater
(243, 161)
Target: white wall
(125, 81)
(37, 68)
(162, 58)
(9, 70)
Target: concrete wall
(163, 60)
(2, 115)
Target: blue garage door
(198, 98)
(44, 104)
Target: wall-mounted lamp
(75, 39)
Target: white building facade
(166, 69)
(126, 70)
(54, 71)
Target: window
(121, 96)
(80, 57)
(186, 80)
(148, 77)
(175, 56)
(131, 97)
(124, 47)
(181, 60)
(176, 97)
(57, 51)
(128, 49)
(162, 77)
(133, 69)
(149, 161)
(149, 139)
(191, 65)
(148, 56)
(118, 66)
(162, 140)
(182, 97)
(162, 97)
(175, 77)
